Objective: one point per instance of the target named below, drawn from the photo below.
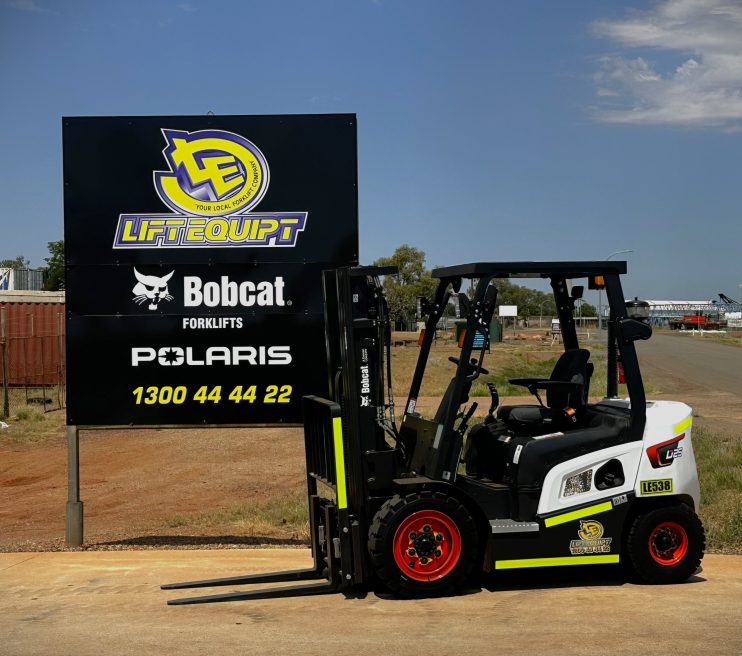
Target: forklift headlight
(578, 483)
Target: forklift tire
(666, 544)
(423, 544)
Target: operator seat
(566, 397)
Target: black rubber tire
(643, 565)
(381, 543)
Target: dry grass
(283, 517)
(719, 461)
(30, 425)
(505, 361)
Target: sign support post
(74, 514)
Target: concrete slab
(110, 603)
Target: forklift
(423, 506)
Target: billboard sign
(194, 250)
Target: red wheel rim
(427, 545)
(668, 543)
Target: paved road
(92, 603)
(699, 362)
(704, 374)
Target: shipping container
(34, 332)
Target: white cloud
(705, 86)
(26, 5)
(187, 7)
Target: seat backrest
(572, 366)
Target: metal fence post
(74, 515)
(6, 373)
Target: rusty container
(34, 340)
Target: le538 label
(658, 486)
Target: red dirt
(133, 482)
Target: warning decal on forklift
(659, 486)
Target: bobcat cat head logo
(151, 288)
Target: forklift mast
(358, 334)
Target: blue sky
(487, 130)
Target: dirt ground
(89, 604)
(138, 485)
(134, 482)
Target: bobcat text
(229, 293)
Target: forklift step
(511, 526)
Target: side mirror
(577, 291)
(631, 330)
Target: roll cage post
(622, 332)
(473, 324)
(565, 311)
(436, 312)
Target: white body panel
(665, 421)
(552, 494)
(664, 418)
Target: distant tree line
(415, 280)
(54, 274)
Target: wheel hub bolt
(411, 552)
(423, 561)
(438, 537)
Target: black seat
(566, 396)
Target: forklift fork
(335, 537)
(323, 545)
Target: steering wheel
(472, 367)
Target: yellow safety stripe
(337, 434)
(551, 562)
(683, 425)
(577, 514)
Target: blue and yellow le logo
(212, 173)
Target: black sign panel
(194, 251)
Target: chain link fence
(32, 358)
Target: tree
(530, 302)
(588, 310)
(413, 280)
(19, 262)
(55, 266)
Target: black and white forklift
(423, 505)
